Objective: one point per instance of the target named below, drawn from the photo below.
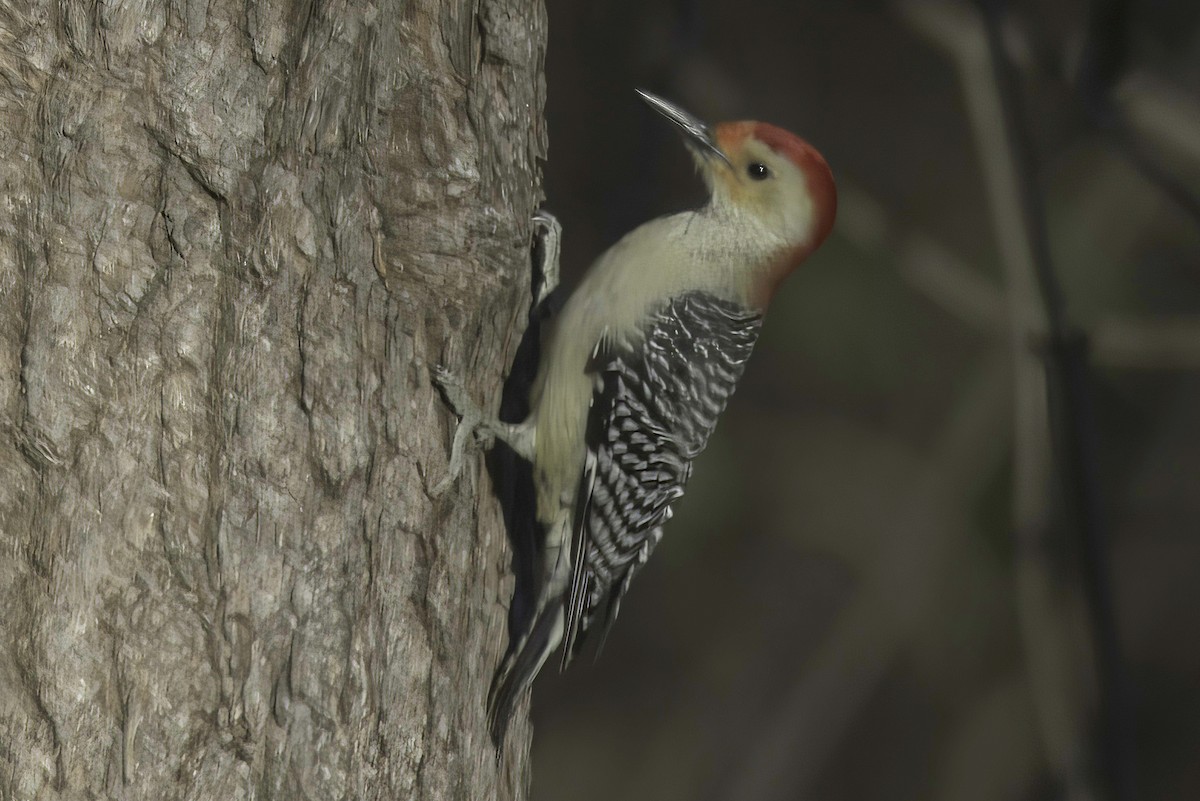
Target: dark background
(841, 609)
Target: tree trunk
(234, 238)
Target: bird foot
(471, 425)
(547, 234)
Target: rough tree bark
(234, 238)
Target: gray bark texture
(234, 238)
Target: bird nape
(641, 361)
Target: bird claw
(471, 425)
(547, 233)
(453, 390)
(547, 236)
(469, 419)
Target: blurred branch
(1171, 343)
(923, 261)
(820, 708)
(1160, 112)
(972, 767)
(1148, 344)
(1070, 415)
(965, 293)
(1049, 399)
(940, 275)
(1105, 49)
(814, 716)
(1127, 144)
(1104, 59)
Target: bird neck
(771, 274)
(755, 259)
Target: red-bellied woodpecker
(636, 369)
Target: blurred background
(878, 586)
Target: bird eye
(758, 172)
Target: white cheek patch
(795, 207)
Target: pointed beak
(697, 133)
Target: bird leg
(473, 423)
(547, 232)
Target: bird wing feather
(656, 402)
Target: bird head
(761, 170)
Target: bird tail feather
(517, 672)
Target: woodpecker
(636, 369)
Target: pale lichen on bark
(233, 239)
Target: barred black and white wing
(656, 403)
